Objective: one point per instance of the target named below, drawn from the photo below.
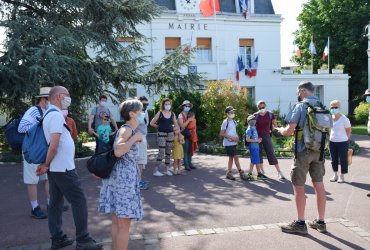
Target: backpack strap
(40, 111)
(49, 111)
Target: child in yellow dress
(177, 151)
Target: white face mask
(231, 116)
(263, 110)
(167, 107)
(103, 104)
(66, 102)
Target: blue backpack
(35, 146)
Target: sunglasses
(334, 108)
(145, 104)
(261, 108)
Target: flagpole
(329, 53)
(214, 19)
(312, 53)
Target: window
(172, 43)
(319, 93)
(204, 49)
(245, 49)
(125, 41)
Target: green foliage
(359, 130)
(339, 66)
(344, 22)
(362, 112)
(324, 66)
(81, 150)
(85, 137)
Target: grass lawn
(359, 130)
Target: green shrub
(362, 112)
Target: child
(102, 133)
(251, 136)
(177, 151)
(231, 138)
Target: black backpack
(13, 137)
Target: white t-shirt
(338, 132)
(64, 158)
(230, 130)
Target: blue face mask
(141, 118)
(368, 99)
(252, 123)
(187, 109)
(167, 107)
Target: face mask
(47, 104)
(103, 104)
(140, 119)
(368, 99)
(65, 113)
(66, 102)
(186, 109)
(231, 116)
(263, 110)
(334, 111)
(167, 107)
(252, 123)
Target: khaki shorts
(29, 173)
(307, 161)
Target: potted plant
(306, 69)
(287, 70)
(323, 69)
(338, 69)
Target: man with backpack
(30, 118)
(62, 175)
(307, 157)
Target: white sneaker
(169, 173)
(157, 173)
(341, 179)
(334, 178)
(281, 176)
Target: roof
(260, 6)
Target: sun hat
(251, 117)
(186, 102)
(229, 109)
(367, 92)
(44, 92)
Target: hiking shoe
(334, 178)
(157, 173)
(38, 213)
(261, 176)
(295, 228)
(281, 176)
(88, 245)
(315, 224)
(61, 242)
(242, 175)
(143, 185)
(230, 176)
(341, 179)
(249, 177)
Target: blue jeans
(339, 150)
(187, 156)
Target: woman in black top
(164, 121)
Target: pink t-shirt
(263, 123)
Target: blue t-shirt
(103, 131)
(251, 133)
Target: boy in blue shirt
(102, 133)
(251, 136)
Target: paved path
(203, 210)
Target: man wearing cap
(31, 117)
(305, 161)
(367, 99)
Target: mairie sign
(187, 26)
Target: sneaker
(321, 227)
(61, 242)
(143, 185)
(295, 228)
(249, 177)
(261, 176)
(334, 178)
(169, 173)
(157, 173)
(242, 175)
(192, 167)
(230, 176)
(368, 195)
(38, 213)
(281, 176)
(88, 245)
(341, 179)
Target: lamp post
(368, 56)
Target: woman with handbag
(189, 133)
(120, 193)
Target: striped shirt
(29, 119)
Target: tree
(50, 42)
(344, 22)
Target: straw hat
(186, 102)
(44, 92)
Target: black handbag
(101, 164)
(186, 133)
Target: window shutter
(204, 43)
(246, 42)
(172, 42)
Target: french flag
(253, 71)
(326, 51)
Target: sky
(289, 9)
